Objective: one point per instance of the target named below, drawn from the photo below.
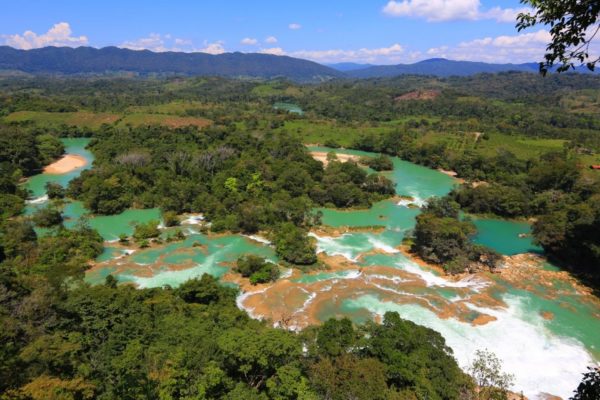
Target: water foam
(333, 247)
(380, 245)
(193, 219)
(38, 200)
(175, 277)
(258, 239)
(241, 298)
(414, 201)
(431, 279)
(522, 341)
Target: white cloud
(393, 53)
(525, 47)
(154, 42)
(271, 40)
(58, 35)
(213, 48)
(181, 42)
(276, 51)
(159, 43)
(249, 41)
(448, 10)
(294, 26)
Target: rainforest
(383, 238)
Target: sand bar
(66, 164)
(322, 156)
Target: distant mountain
(348, 66)
(89, 60)
(440, 67)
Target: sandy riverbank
(322, 156)
(68, 163)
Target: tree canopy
(573, 27)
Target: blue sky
(364, 31)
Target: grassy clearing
(521, 147)
(80, 118)
(323, 131)
(582, 101)
(170, 121)
(173, 108)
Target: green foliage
(379, 163)
(47, 216)
(54, 190)
(569, 23)
(257, 269)
(170, 218)
(570, 234)
(589, 388)
(10, 205)
(241, 182)
(505, 201)
(336, 337)
(148, 230)
(293, 245)
(397, 359)
(441, 237)
(49, 147)
(492, 383)
(350, 377)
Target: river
(541, 324)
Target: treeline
(508, 103)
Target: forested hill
(440, 67)
(89, 60)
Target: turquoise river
(541, 323)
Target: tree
(349, 377)
(573, 26)
(336, 337)
(47, 217)
(54, 190)
(257, 269)
(292, 244)
(147, 230)
(492, 383)
(589, 388)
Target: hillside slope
(88, 60)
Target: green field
(80, 118)
(320, 132)
(86, 119)
(171, 121)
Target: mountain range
(89, 60)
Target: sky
(325, 31)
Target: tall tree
(573, 26)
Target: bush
(146, 231)
(54, 190)
(292, 244)
(257, 269)
(47, 217)
(379, 163)
(170, 218)
(10, 205)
